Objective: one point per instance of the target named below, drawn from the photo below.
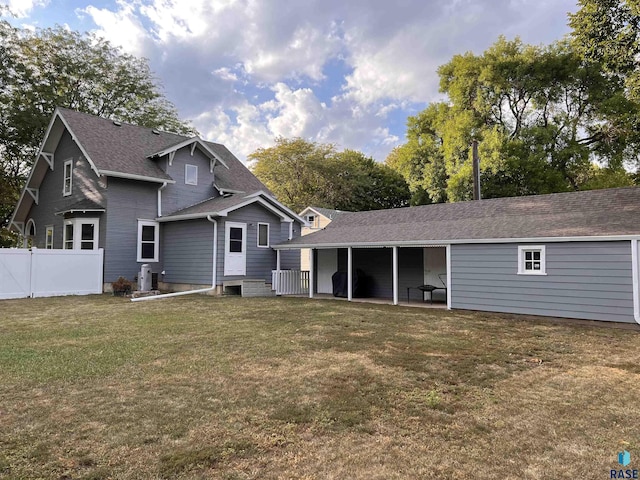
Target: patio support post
(277, 285)
(311, 269)
(350, 273)
(395, 275)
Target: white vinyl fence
(290, 282)
(49, 273)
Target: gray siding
(289, 259)
(127, 202)
(589, 280)
(260, 261)
(85, 185)
(188, 252)
(179, 195)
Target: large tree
(302, 173)
(43, 69)
(542, 115)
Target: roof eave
(421, 243)
(132, 176)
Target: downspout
(213, 276)
(162, 187)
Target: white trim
(26, 228)
(227, 251)
(34, 192)
(214, 276)
(83, 210)
(186, 174)
(77, 232)
(311, 273)
(268, 235)
(251, 199)
(47, 245)
(395, 275)
(48, 157)
(635, 280)
(132, 176)
(156, 241)
(349, 273)
(279, 205)
(193, 140)
(448, 254)
(69, 163)
(521, 261)
(162, 187)
(73, 137)
(432, 243)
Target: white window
(68, 178)
(263, 235)
(531, 260)
(191, 174)
(148, 244)
(48, 241)
(80, 233)
(312, 221)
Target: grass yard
(199, 387)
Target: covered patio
(382, 273)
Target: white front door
(235, 249)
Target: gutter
(213, 276)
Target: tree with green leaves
(43, 69)
(302, 173)
(542, 114)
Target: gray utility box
(145, 278)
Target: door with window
(235, 250)
(81, 233)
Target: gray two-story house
(187, 207)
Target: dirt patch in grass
(231, 388)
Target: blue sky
(331, 71)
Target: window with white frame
(191, 174)
(148, 241)
(80, 234)
(48, 240)
(263, 235)
(68, 178)
(531, 260)
(312, 221)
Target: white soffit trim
(75, 139)
(190, 141)
(291, 213)
(132, 176)
(427, 243)
(253, 199)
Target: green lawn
(200, 387)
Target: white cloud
(121, 28)
(247, 71)
(22, 8)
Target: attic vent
(117, 123)
(155, 132)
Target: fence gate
(49, 273)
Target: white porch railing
(290, 282)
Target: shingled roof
(123, 148)
(596, 213)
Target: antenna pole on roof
(476, 172)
